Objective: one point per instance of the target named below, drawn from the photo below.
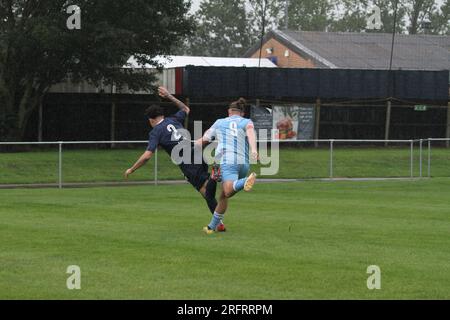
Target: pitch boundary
(178, 182)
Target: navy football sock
(212, 204)
(211, 187)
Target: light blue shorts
(233, 172)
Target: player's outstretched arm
(164, 93)
(203, 141)
(200, 142)
(207, 137)
(141, 161)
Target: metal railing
(331, 142)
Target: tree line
(229, 28)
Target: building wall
(278, 50)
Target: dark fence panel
(421, 85)
(88, 116)
(81, 117)
(210, 83)
(406, 123)
(337, 122)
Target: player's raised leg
(241, 182)
(245, 184)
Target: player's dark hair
(154, 111)
(238, 105)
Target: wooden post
(317, 125)
(388, 122)
(186, 121)
(447, 143)
(269, 134)
(113, 115)
(40, 122)
(113, 122)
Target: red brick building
(304, 49)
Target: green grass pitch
(302, 240)
(90, 165)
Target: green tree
(388, 14)
(310, 15)
(352, 18)
(223, 29)
(274, 15)
(37, 49)
(411, 16)
(440, 19)
(418, 11)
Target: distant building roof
(182, 61)
(366, 50)
(167, 76)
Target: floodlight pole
(263, 31)
(286, 15)
(389, 106)
(393, 34)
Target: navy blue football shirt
(166, 133)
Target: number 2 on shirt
(175, 133)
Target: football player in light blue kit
(236, 137)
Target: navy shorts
(196, 174)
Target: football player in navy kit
(165, 134)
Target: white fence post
(412, 158)
(429, 157)
(60, 165)
(331, 158)
(420, 154)
(156, 167)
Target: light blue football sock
(215, 221)
(238, 185)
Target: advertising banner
(290, 122)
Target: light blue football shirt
(231, 135)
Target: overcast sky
(196, 4)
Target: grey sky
(196, 4)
